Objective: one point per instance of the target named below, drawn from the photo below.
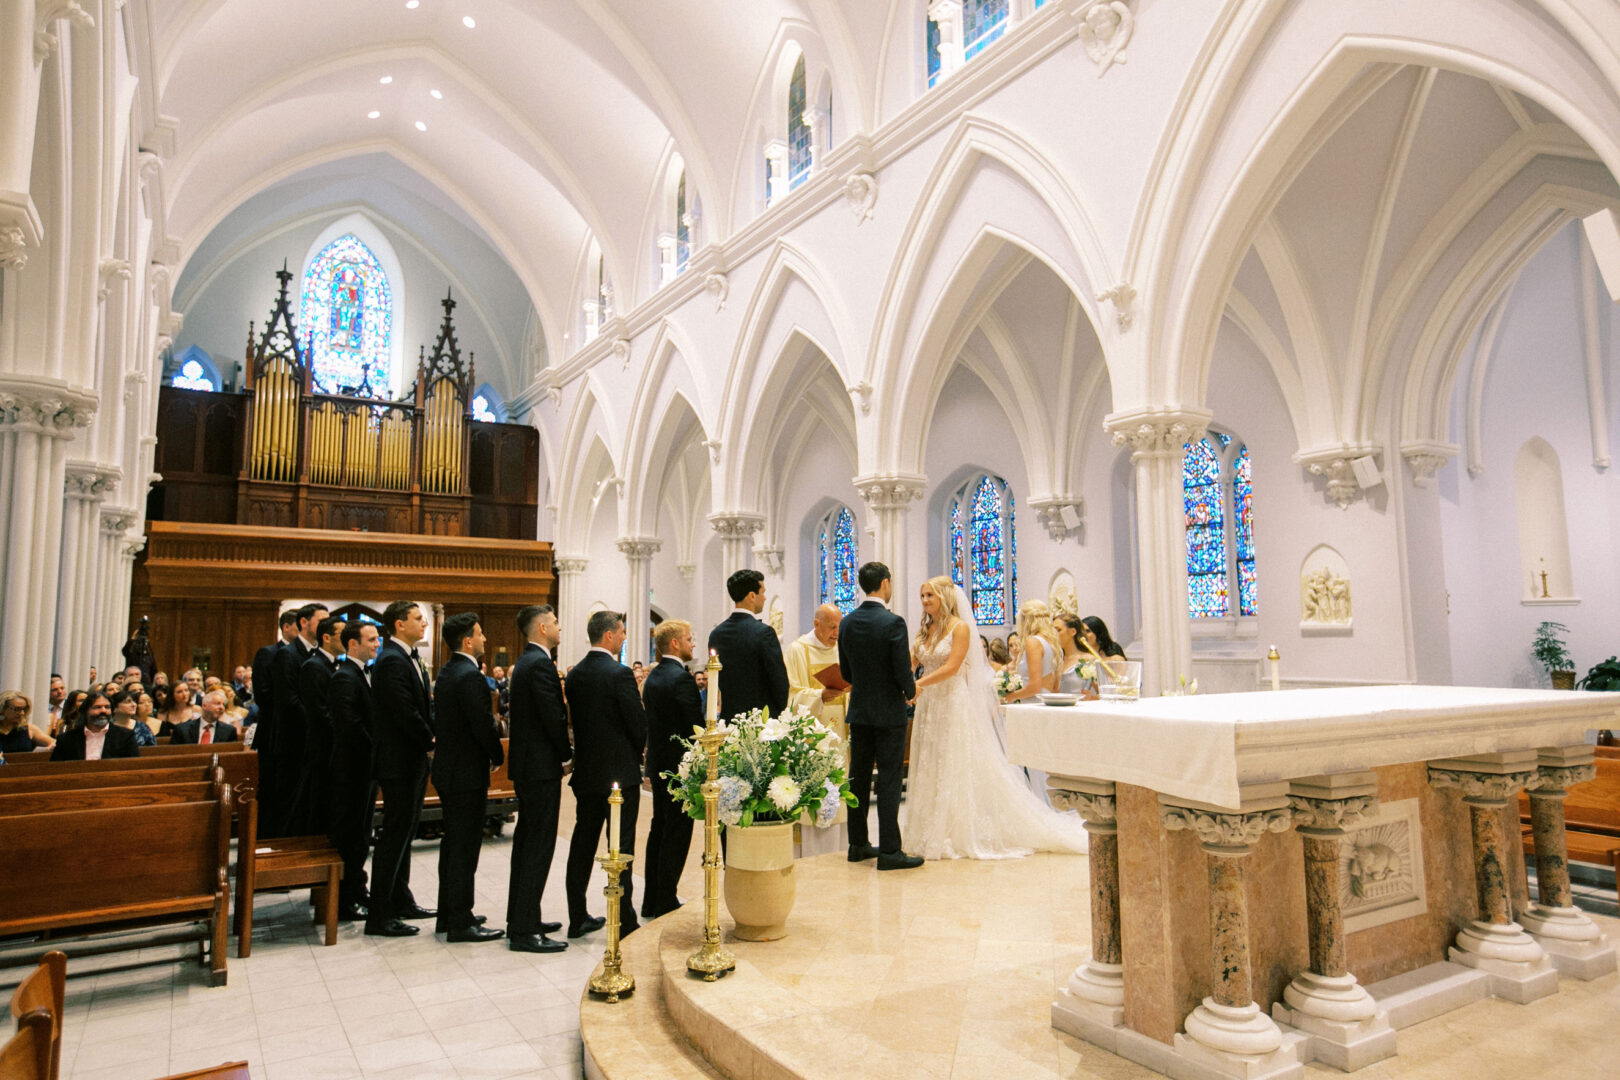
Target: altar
(1292, 876)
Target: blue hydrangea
(830, 802)
(733, 790)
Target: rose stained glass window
(839, 554)
(346, 314)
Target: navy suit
(538, 747)
(402, 735)
(753, 674)
(673, 710)
(466, 749)
(610, 734)
(354, 792)
(874, 656)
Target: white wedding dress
(964, 800)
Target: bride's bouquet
(772, 769)
(1008, 682)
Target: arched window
(1217, 489)
(837, 557)
(962, 31)
(346, 314)
(983, 541)
(799, 150)
(481, 410)
(683, 225)
(983, 21)
(192, 376)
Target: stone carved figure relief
(1324, 589)
(1381, 867)
(1105, 29)
(1062, 599)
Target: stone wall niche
(1538, 495)
(1324, 593)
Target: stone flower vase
(759, 883)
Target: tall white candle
(1276, 670)
(614, 801)
(712, 698)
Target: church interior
(1280, 336)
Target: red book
(831, 678)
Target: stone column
(81, 594)
(1493, 942)
(571, 613)
(108, 656)
(736, 529)
(1572, 941)
(1327, 1001)
(1229, 1021)
(37, 419)
(1096, 990)
(888, 498)
(638, 553)
(116, 613)
(1157, 438)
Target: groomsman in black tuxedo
(673, 710)
(467, 750)
(313, 799)
(264, 697)
(402, 735)
(753, 674)
(288, 751)
(610, 734)
(354, 792)
(539, 746)
(874, 656)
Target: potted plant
(773, 772)
(1604, 676)
(1553, 655)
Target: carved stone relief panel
(1381, 867)
(1324, 592)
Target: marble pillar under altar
(1572, 941)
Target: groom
(875, 659)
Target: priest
(816, 653)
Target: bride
(964, 799)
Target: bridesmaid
(1038, 660)
(1071, 677)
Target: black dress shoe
(550, 927)
(589, 925)
(899, 861)
(862, 852)
(353, 912)
(442, 927)
(534, 943)
(392, 928)
(417, 911)
(474, 933)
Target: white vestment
(804, 657)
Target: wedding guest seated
(53, 713)
(210, 726)
(17, 734)
(160, 678)
(126, 714)
(72, 706)
(194, 679)
(174, 707)
(235, 714)
(145, 715)
(132, 672)
(96, 738)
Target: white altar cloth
(1206, 747)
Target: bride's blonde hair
(1035, 620)
(944, 588)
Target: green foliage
(1604, 676)
(770, 770)
(1549, 647)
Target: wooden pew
(166, 863)
(502, 799)
(43, 802)
(1591, 816)
(122, 778)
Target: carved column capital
(737, 524)
(109, 270)
(13, 247)
(771, 556)
(640, 548)
(1156, 432)
(1223, 833)
(1556, 780)
(1427, 458)
(89, 481)
(688, 571)
(46, 407)
(1060, 515)
(116, 520)
(893, 491)
(1344, 469)
(1482, 788)
(1329, 815)
(569, 565)
(1095, 809)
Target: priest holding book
(815, 684)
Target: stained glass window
(983, 541)
(983, 21)
(482, 412)
(346, 312)
(839, 553)
(799, 153)
(933, 56)
(1218, 495)
(683, 231)
(192, 376)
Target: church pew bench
(98, 868)
(36, 1008)
(27, 1054)
(241, 766)
(126, 778)
(1591, 817)
(502, 800)
(282, 863)
(44, 802)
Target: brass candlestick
(711, 960)
(612, 980)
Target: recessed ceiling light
(373, 114)
(421, 126)
(468, 21)
(386, 79)
(436, 95)
(412, 5)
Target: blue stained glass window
(958, 552)
(983, 21)
(683, 231)
(191, 376)
(933, 53)
(799, 153)
(823, 578)
(989, 573)
(346, 309)
(838, 557)
(1204, 502)
(1243, 530)
(481, 410)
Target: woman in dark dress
(17, 735)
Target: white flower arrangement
(1008, 681)
(771, 769)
